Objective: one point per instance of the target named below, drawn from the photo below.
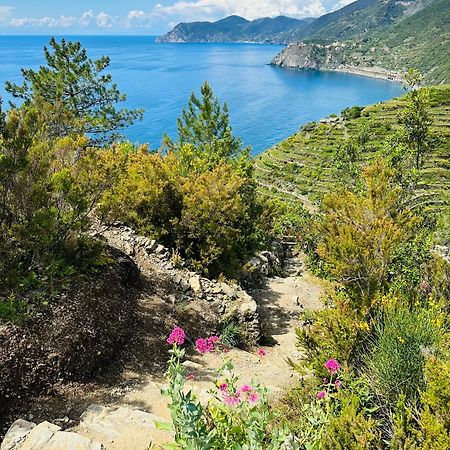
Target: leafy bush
(231, 333)
(48, 194)
(352, 112)
(350, 429)
(331, 331)
(361, 232)
(284, 220)
(337, 411)
(12, 309)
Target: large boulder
(24, 435)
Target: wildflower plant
(237, 416)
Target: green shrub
(330, 332)
(12, 310)
(352, 112)
(231, 334)
(360, 232)
(396, 361)
(350, 429)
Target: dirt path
(281, 301)
(133, 392)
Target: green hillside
(304, 165)
(357, 19)
(421, 41)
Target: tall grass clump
(401, 342)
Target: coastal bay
(267, 104)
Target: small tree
(360, 232)
(415, 117)
(205, 137)
(76, 84)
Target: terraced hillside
(304, 166)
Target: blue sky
(141, 16)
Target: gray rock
(160, 249)
(63, 440)
(196, 285)
(264, 257)
(185, 286)
(151, 246)
(39, 437)
(16, 434)
(129, 248)
(25, 435)
(228, 290)
(112, 424)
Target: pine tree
(205, 136)
(77, 85)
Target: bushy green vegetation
(322, 156)
(62, 163)
(386, 330)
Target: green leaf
(166, 426)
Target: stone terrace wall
(153, 258)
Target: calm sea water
(267, 104)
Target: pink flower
(261, 353)
(223, 387)
(325, 381)
(177, 336)
(332, 366)
(225, 350)
(190, 377)
(244, 388)
(253, 398)
(231, 400)
(204, 346)
(338, 384)
(321, 395)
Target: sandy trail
(281, 301)
(132, 392)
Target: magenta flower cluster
(177, 336)
(332, 366)
(206, 345)
(244, 393)
(321, 395)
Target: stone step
(23, 435)
(122, 428)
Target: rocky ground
(121, 408)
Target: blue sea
(267, 104)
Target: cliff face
(310, 56)
(339, 57)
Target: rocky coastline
(332, 57)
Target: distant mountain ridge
(357, 19)
(234, 29)
(380, 38)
